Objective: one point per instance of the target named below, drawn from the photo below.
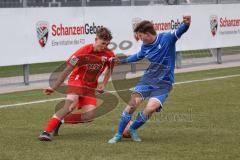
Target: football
(125, 132)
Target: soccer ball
(125, 132)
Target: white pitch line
(207, 79)
(27, 103)
(177, 83)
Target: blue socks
(125, 118)
(139, 121)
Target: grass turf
(199, 121)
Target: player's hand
(48, 91)
(116, 61)
(187, 19)
(100, 88)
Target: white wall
(18, 29)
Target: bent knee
(150, 109)
(70, 104)
(134, 102)
(88, 116)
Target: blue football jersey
(161, 53)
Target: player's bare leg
(126, 116)
(68, 107)
(135, 100)
(86, 115)
(142, 117)
(152, 106)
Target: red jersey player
(84, 67)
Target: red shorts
(83, 101)
(86, 94)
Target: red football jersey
(88, 66)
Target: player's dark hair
(144, 27)
(104, 34)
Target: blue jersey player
(156, 83)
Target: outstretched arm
(101, 87)
(63, 75)
(132, 58)
(183, 27)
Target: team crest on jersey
(73, 61)
(213, 24)
(42, 32)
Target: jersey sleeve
(176, 34)
(133, 58)
(76, 58)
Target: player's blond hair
(104, 34)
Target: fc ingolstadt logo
(213, 24)
(42, 32)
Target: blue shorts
(160, 92)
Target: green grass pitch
(200, 121)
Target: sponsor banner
(35, 35)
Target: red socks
(52, 124)
(73, 118)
